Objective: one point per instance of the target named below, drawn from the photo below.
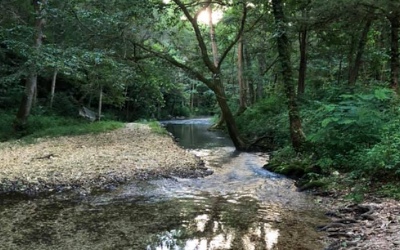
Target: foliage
(75, 129)
(383, 159)
(267, 118)
(145, 60)
(53, 126)
(63, 105)
(343, 124)
(155, 127)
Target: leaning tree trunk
(241, 80)
(394, 19)
(227, 114)
(31, 81)
(296, 132)
(353, 73)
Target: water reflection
(195, 134)
(203, 222)
(224, 226)
(240, 206)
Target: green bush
(63, 106)
(384, 157)
(267, 118)
(340, 128)
(182, 111)
(6, 130)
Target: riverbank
(373, 224)
(93, 162)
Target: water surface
(240, 206)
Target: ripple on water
(240, 206)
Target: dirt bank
(93, 161)
(373, 224)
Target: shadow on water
(240, 206)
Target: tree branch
(239, 34)
(199, 37)
(180, 65)
(270, 66)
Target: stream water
(240, 206)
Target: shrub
(267, 118)
(342, 128)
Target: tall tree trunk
(53, 87)
(31, 80)
(214, 46)
(35, 94)
(296, 132)
(100, 103)
(353, 73)
(301, 84)
(249, 77)
(339, 78)
(303, 42)
(192, 97)
(394, 19)
(242, 83)
(261, 67)
(214, 49)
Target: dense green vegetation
(53, 126)
(314, 81)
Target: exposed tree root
(348, 230)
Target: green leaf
(381, 94)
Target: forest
(315, 82)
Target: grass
(80, 129)
(157, 128)
(53, 126)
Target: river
(239, 206)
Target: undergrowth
(355, 132)
(155, 127)
(53, 126)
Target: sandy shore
(93, 161)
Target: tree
(241, 79)
(215, 83)
(394, 19)
(31, 80)
(296, 132)
(355, 67)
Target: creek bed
(239, 206)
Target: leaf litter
(98, 161)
